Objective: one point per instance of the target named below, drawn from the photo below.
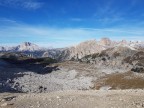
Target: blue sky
(60, 23)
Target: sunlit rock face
(85, 48)
(90, 47)
(27, 46)
(105, 41)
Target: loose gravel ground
(75, 99)
(55, 81)
(20, 79)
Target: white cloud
(61, 37)
(7, 20)
(26, 4)
(107, 13)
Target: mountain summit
(105, 41)
(27, 46)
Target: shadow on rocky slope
(11, 68)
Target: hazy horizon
(50, 46)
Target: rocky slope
(117, 58)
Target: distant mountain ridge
(26, 46)
(74, 52)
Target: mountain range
(74, 52)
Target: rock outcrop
(105, 42)
(117, 58)
(85, 48)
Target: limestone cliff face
(105, 42)
(87, 48)
(124, 42)
(82, 49)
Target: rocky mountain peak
(123, 42)
(105, 41)
(87, 43)
(27, 46)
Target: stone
(4, 105)
(58, 97)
